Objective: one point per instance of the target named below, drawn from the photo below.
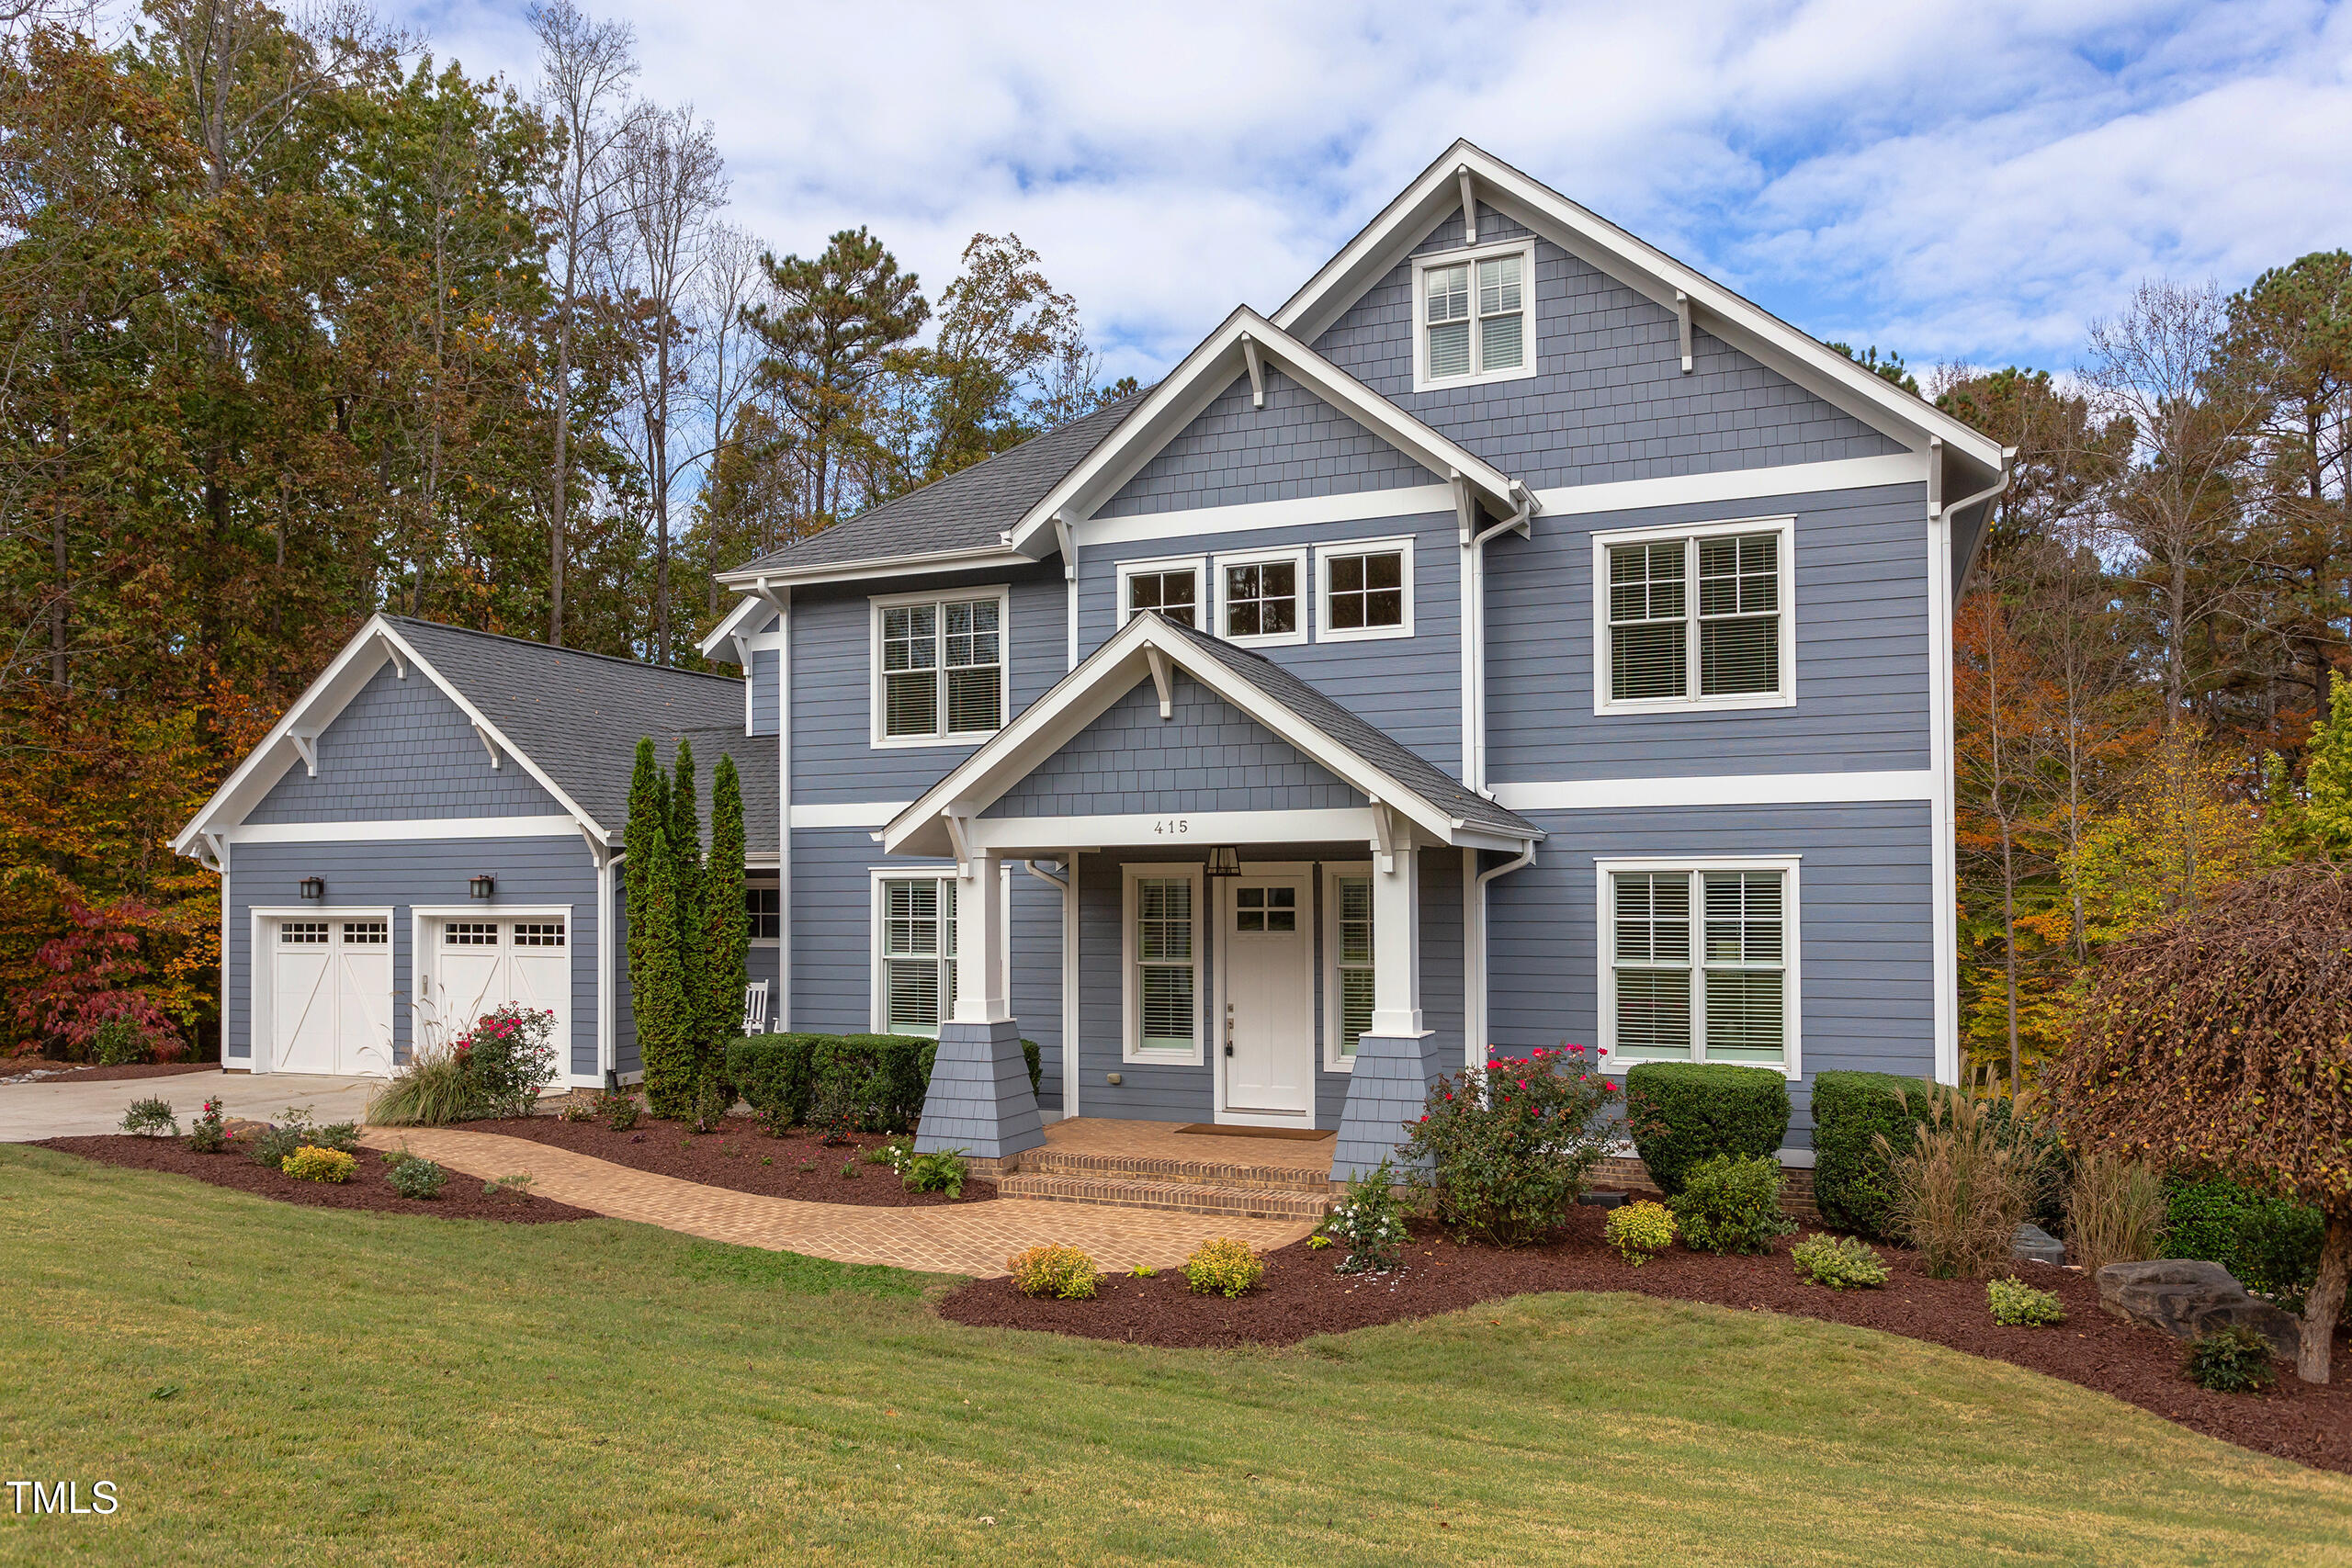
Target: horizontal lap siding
(402, 875)
(402, 749)
(1866, 938)
(834, 758)
(1861, 651)
(1610, 400)
(1150, 1092)
(766, 689)
(1037, 940)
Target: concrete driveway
(34, 1110)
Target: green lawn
(355, 1388)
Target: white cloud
(1956, 179)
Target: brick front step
(1193, 1197)
(1287, 1179)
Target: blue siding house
(1514, 638)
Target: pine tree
(725, 935)
(658, 993)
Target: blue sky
(1965, 182)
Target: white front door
(1269, 997)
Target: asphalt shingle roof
(1363, 738)
(968, 510)
(578, 717)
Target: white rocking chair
(756, 1007)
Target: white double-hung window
(1699, 961)
(1161, 953)
(1695, 617)
(915, 985)
(939, 667)
(1348, 956)
(1472, 321)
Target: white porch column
(1397, 942)
(981, 940)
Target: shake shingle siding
(1232, 452)
(402, 751)
(1609, 401)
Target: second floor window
(1175, 593)
(1261, 599)
(941, 673)
(1474, 319)
(1367, 589)
(1696, 620)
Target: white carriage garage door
(479, 966)
(331, 996)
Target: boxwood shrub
(1852, 1184)
(883, 1076)
(1680, 1113)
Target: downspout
(780, 1017)
(1068, 882)
(1474, 947)
(1474, 636)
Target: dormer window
(1472, 313)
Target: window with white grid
(538, 933)
(1174, 591)
(1162, 945)
(1699, 619)
(1261, 598)
(469, 933)
(1472, 316)
(1351, 956)
(302, 933)
(918, 956)
(1697, 965)
(365, 933)
(940, 669)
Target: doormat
(1298, 1134)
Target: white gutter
(1474, 637)
(1474, 950)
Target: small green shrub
(1223, 1267)
(941, 1170)
(2234, 1361)
(619, 1111)
(295, 1130)
(1853, 1180)
(1143, 1271)
(1640, 1231)
(518, 1187)
(1370, 1219)
(151, 1118)
(896, 1153)
(1840, 1262)
(1731, 1205)
(1681, 1114)
(413, 1176)
(309, 1164)
(121, 1043)
(1064, 1273)
(209, 1134)
(2017, 1304)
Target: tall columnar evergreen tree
(659, 995)
(725, 936)
(686, 870)
(648, 816)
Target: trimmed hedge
(1853, 1184)
(885, 1077)
(1681, 1113)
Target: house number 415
(1173, 825)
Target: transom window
(1698, 965)
(1271, 910)
(1261, 598)
(918, 957)
(1175, 593)
(764, 913)
(538, 933)
(1351, 958)
(1163, 951)
(469, 933)
(365, 933)
(1367, 589)
(1700, 619)
(302, 933)
(1474, 317)
(942, 676)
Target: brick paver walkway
(961, 1239)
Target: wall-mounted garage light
(314, 888)
(483, 887)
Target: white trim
(780, 1006)
(1248, 516)
(1220, 916)
(261, 998)
(1328, 934)
(421, 915)
(1604, 948)
(1470, 256)
(1034, 835)
(730, 627)
(877, 1014)
(847, 814)
(1785, 564)
(989, 557)
(1301, 580)
(878, 602)
(1943, 874)
(1736, 789)
(1197, 565)
(1324, 630)
(607, 1058)
(1131, 994)
(416, 830)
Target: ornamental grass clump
(1369, 1221)
(1840, 1262)
(1061, 1273)
(2115, 1213)
(1507, 1147)
(310, 1164)
(1964, 1186)
(1223, 1267)
(1730, 1205)
(1640, 1231)
(2017, 1304)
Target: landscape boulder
(2190, 1300)
(2035, 1244)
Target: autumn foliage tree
(2222, 1041)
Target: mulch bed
(1301, 1296)
(462, 1196)
(741, 1157)
(40, 1069)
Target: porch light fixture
(483, 887)
(1225, 860)
(314, 888)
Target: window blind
(1648, 655)
(1355, 962)
(1723, 1000)
(1448, 314)
(1500, 318)
(1739, 627)
(1652, 963)
(1164, 954)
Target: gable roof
(568, 718)
(1440, 190)
(1356, 752)
(1243, 342)
(965, 515)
